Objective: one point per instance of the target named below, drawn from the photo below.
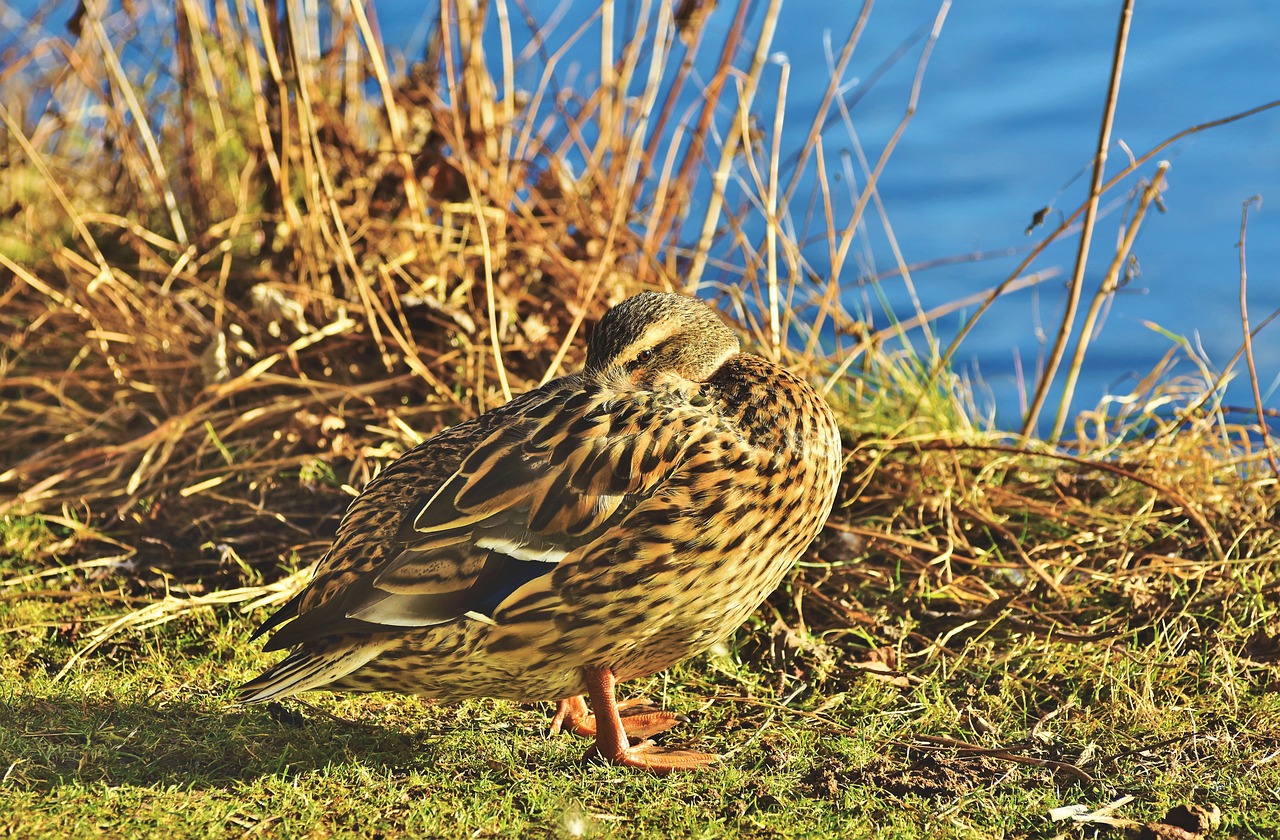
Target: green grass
(142, 738)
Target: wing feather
(551, 474)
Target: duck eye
(644, 355)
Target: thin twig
(729, 151)
(1106, 289)
(1086, 234)
(1064, 227)
(1248, 338)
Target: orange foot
(661, 760)
(640, 718)
(612, 743)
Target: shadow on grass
(47, 742)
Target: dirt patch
(931, 776)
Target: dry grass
(257, 281)
(231, 292)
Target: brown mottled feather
(624, 518)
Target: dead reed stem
(1076, 286)
(1106, 290)
(1247, 342)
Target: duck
(597, 529)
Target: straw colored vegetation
(235, 284)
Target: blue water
(1008, 117)
(1010, 112)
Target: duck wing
(537, 480)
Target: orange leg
(611, 736)
(640, 718)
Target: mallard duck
(598, 529)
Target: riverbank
(235, 290)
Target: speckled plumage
(602, 527)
